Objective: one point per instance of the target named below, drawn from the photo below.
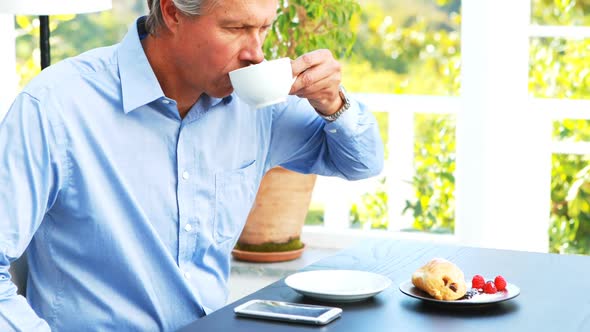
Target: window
(483, 107)
(406, 67)
(516, 74)
(72, 34)
(559, 77)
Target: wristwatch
(345, 106)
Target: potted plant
(273, 229)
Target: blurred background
(483, 106)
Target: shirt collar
(213, 101)
(138, 82)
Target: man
(129, 171)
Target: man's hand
(318, 80)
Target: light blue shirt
(130, 212)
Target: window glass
(406, 46)
(71, 35)
(409, 47)
(569, 231)
(434, 208)
(559, 70)
(562, 12)
(571, 130)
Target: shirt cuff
(347, 122)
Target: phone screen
(292, 312)
(288, 308)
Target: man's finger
(305, 62)
(308, 77)
(302, 87)
(327, 85)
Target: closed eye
(264, 28)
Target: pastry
(441, 279)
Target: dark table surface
(555, 293)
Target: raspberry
(500, 283)
(490, 288)
(477, 281)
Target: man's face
(227, 37)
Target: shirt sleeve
(28, 182)
(349, 147)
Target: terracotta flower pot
(277, 217)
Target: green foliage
(571, 130)
(410, 49)
(560, 12)
(383, 122)
(570, 205)
(72, 34)
(305, 25)
(434, 182)
(371, 212)
(558, 69)
(27, 48)
(315, 214)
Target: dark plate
(510, 292)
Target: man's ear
(170, 14)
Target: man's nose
(252, 51)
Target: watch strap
(345, 106)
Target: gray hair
(188, 7)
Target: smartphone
(290, 312)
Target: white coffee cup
(263, 84)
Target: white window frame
(503, 174)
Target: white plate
(511, 292)
(338, 285)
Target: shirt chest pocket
(234, 195)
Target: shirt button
(188, 227)
(333, 131)
(185, 175)
(166, 101)
(187, 275)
